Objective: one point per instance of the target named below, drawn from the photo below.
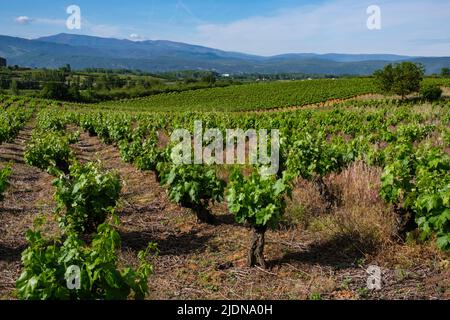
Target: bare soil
(29, 195)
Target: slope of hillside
(159, 56)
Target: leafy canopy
(258, 199)
(402, 79)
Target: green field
(250, 97)
(349, 172)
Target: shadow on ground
(8, 254)
(340, 252)
(174, 244)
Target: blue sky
(264, 27)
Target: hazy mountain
(86, 51)
(140, 49)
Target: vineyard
(257, 96)
(250, 97)
(362, 182)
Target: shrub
(55, 90)
(47, 263)
(86, 196)
(5, 173)
(49, 151)
(193, 186)
(259, 201)
(431, 92)
(445, 72)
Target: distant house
(2, 62)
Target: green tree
(209, 78)
(401, 79)
(14, 88)
(74, 93)
(445, 72)
(66, 69)
(194, 187)
(88, 82)
(385, 78)
(55, 90)
(5, 173)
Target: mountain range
(159, 56)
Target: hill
(159, 56)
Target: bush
(5, 173)
(49, 151)
(193, 186)
(47, 263)
(445, 72)
(149, 157)
(55, 90)
(130, 150)
(259, 201)
(86, 197)
(431, 92)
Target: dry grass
(445, 92)
(360, 212)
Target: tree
(385, 78)
(445, 72)
(14, 88)
(74, 93)
(88, 82)
(401, 79)
(55, 90)
(209, 78)
(312, 157)
(66, 69)
(5, 173)
(431, 92)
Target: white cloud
(23, 20)
(336, 26)
(135, 37)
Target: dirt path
(29, 195)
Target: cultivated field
(369, 181)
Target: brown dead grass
(360, 211)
